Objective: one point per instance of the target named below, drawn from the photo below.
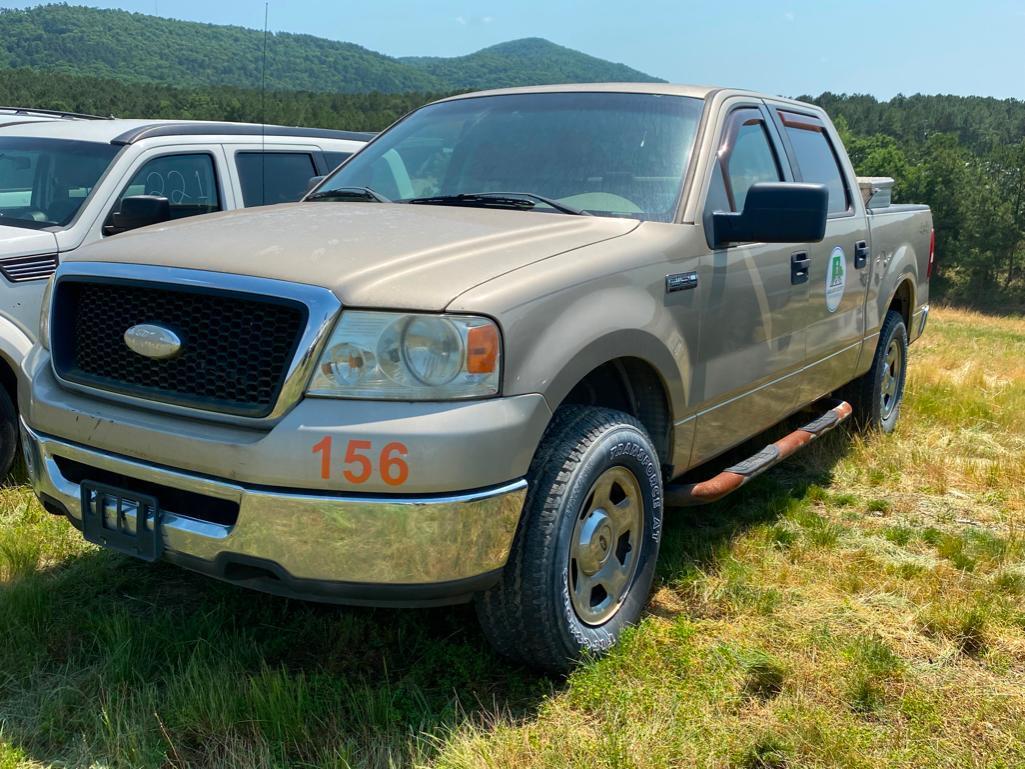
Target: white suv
(67, 180)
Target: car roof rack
(234, 129)
(52, 113)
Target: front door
(752, 334)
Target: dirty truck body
(471, 364)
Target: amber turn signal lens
(482, 349)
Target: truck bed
(900, 238)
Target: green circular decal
(836, 279)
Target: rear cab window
(815, 157)
(268, 178)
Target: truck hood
(370, 254)
(18, 241)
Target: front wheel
(583, 559)
(877, 395)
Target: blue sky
(882, 47)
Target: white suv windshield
(43, 182)
(608, 154)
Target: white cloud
(474, 21)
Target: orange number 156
(359, 467)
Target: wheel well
(634, 386)
(9, 381)
(903, 301)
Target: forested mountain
(141, 48)
(531, 60)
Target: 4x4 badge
(153, 341)
(681, 281)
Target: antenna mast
(263, 107)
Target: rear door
(839, 269)
(752, 326)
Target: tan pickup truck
(476, 361)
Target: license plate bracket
(105, 521)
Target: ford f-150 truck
(69, 179)
(477, 361)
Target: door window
(816, 158)
(746, 157)
(274, 177)
(189, 183)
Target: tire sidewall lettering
(651, 474)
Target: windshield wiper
(517, 200)
(349, 193)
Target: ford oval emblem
(152, 341)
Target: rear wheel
(877, 395)
(583, 559)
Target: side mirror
(140, 211)
(312, 183)
(775, 212)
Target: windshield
(43, 182)
(608, 154)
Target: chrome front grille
(236, 348)
(248, 344)
(20, 269)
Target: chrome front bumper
(372, 549)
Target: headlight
(400, 356)
(44, 315)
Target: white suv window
(189, 182)
(274, 177)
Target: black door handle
(799, 268)
(860, 254)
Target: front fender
(15, 345)
(628, 343)
(552, 354)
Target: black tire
(530, 616)
(874, 407)
(8, 433)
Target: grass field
(862, 605)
